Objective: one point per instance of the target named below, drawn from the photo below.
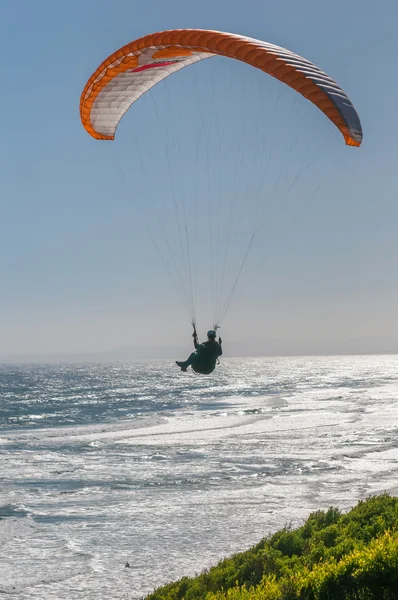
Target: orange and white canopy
(134, 69)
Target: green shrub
(331, 557)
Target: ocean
(107, 464)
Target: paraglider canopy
(135, 68)
(207, 187)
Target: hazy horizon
(234, 349)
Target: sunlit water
(106, 464)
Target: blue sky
(78, 271)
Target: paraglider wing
(134, 69)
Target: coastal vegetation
(332, 556)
